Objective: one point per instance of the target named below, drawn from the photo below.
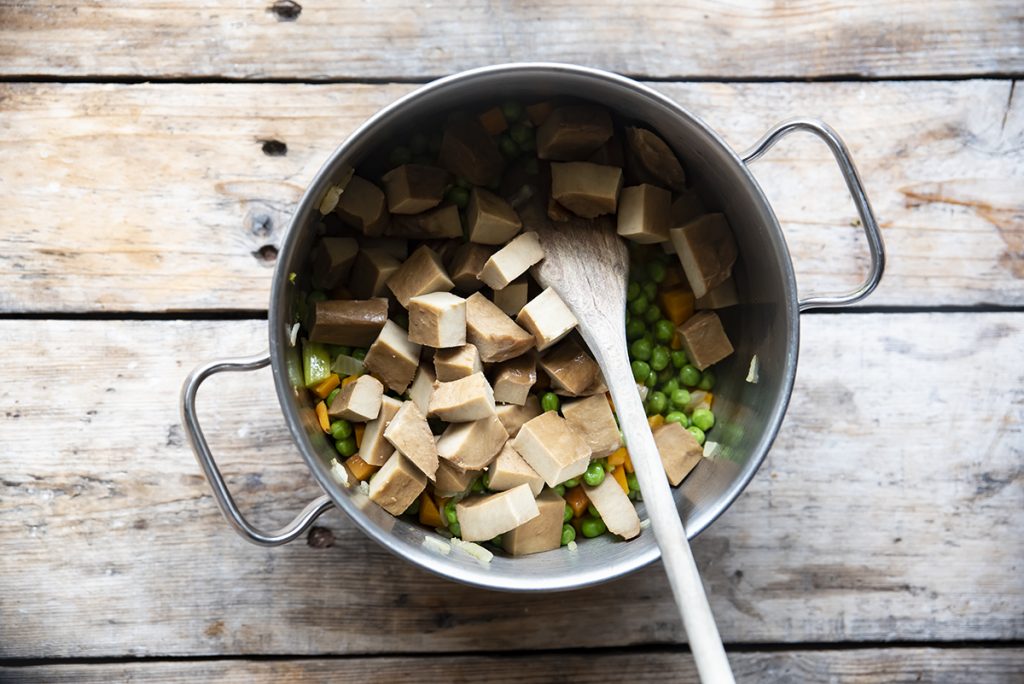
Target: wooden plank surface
(861, 666)
(397, 38)
(889, 509)
(160, 197)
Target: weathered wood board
(860, 666)
(160, 197)
(889, 509)
(314, 39)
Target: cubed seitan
(421, 273)
(422, 387)
(451, 480)
(679, 450)
(611, 153)
(514, 378)
(370, 272)
(688, 206)
(414, 188)
(512, 260)
(552, 448)
(707, 251)
(543, 533)
(548, 318)
(490, 219)
(396, 247)
(468, 151)
(363, 207)
(482, 518)
(457, 362)
(332, 261)
(644, 214)
(592, 418)
(721, 296)
(467, 399)
(587, 190)
(397, 484)
(573, 132)
(438, 319)
(704, 339)
(409, 432)
(513, 417)
(651, 160)
(512, 298)
(570, 367)
(509, 470)
(440, 223)
(392, 358)
(474, 445)
(374, 448)
(465, 264)
(495, 335)
(358, 401)
(617, 511)
(349, 322)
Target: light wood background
(883, 539)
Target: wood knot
(274, 148)
(267, 254)
(285, 10)
(320, 538)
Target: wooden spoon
(587, 264)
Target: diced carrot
(539, 112)
(656, 421)
(620, 476)
(677, 303)
(493, 121)
(430, 515)
(618, 458)
(677, 341)
(360, 468)
(327, 385)
(360, 428)
(578, 500)
(349, 379)
(628, 465)
(321, 415)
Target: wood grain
(161, 198)
(861, 666)
(315, 39)
(889, 509)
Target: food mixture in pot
(455, 389)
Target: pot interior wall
(765, 324)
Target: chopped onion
(475, 550)
(435, 544)
(521, 196)
(645, 523)
(643, 390)
(331, 196)
(364, 488)
(753, 375)
(710, 448)
(293, 336)
(347, 365)
(571, 546)
(339, 472)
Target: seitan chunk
(543, 533)
(358, 401)
(468, 151)
(585, 189)
(392, 358)
(552, 448)
(547, 318)
(616, 509)
(512, 298)
(679, 450)
(592, 418)
(686, 207)
(651, 160)
(721, 296)
(514, 378)
(452, 480)
(512, 260)
(644, 214)
(374, 448)
(466, 399)
(494, 334)
(436, 224)
(349, 322)
(482, 518)
(397, 484)
(409, 432)
(704, 339)
(465, 265)
(396, 247)
(472, 446)
(422, 273)
(422, 387)
(573, 132)
(513, 417)
(706, 250)
(414, 188)
(362, 206)
(510, 470)
(570, 367)
(332, 261)
(490, 220)
(457, 362)
(370, 272)
(438, 319)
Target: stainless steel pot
(766, 324)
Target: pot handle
(860, 199)
(220, 489)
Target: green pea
(358, 354)
(508, 146)
(703, 418)
(656, 270)
(634, 329)
(456, 529)
(640, 369)
(528, 145)
(560, 490)
(571, 482)
(567, 514)
(418, 143)
(659, 358)
(632, 290)
(689, 375)
(568, 534)
(477, 486)
(594, 475)
(680, 398)
(449, 512)
(457, 196)
(670, 386)
(650, 290)
(346, 447)
(679, 358)
(497, 540)
(641, 349)
(463, 183)
(698, 433)
(656, 402)
(330, 397)
(664, 375)
(521, 134)
(664, 329)
(341, 429)
(676, 417)
(512, 110)
(549, 402)
(707, 380)
(632, 482)
(400, 155)
(652, 379)
(638, 306)
(592, 511)
(592, 527)
(653, 314)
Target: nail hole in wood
(285, 10)
(274, 148)
(267, 254)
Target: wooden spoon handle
(701, 631)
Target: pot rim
(427, 559)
